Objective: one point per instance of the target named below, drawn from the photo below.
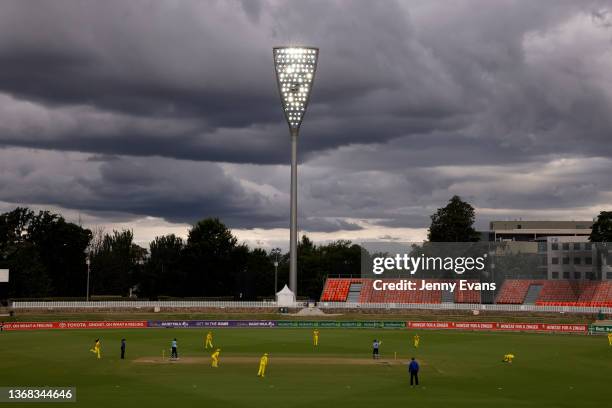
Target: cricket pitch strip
(273, 360)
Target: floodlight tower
(295, 70)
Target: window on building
(608, 275)
(566, 275)
(588, 246)
(577, 261)
(566, 260)
(577, 275)
(554, 246)
(576, 246)
(588, 260)
(555, 260)
(541, 246)
(590, 276)
(555, 275)
(566, 246)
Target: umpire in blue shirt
(413, 369)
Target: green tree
(14, 227)
(315, 263)
(29, 277)
(211, 267)
(116, 264)
(310, 267)
(164, 273)
(453, 223)
(44, 251)
(61, 246)
(260, 268)
(602, 228)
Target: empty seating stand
(362, 291)
(560, 291)
(448, 297)
(577, 293)
(467, 296)
(556, 293)
(354, 292)
(512, 291)
(337, 289)
(532, 294)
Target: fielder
(375, 346)
(416, 339)
(174, 350)
(508, 358)
(263, 363)
(208, 341)
(96, 348)
(315, 337)
(610, 339)
(215, 358)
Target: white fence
(323, 305)
(465, 306)
(147, 304)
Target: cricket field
(458, 369)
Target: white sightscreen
(4, 275)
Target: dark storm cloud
(203, 72)
(125, 188)
(208, 64)
(413, 102)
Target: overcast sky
(154, 114)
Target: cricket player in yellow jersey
(610, 338)
(508, 358)
(416, 339)
(208, 341)
(263, 363)
(315, 337)
(96, 348)
(215, 358)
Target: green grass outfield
(458, 369)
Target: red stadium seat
(513, 291)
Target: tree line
(50, 257)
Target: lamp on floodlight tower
(295, 70)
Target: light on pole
(295, 71)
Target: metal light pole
(275, 277)
(88, 262)
(276, 252)
(295, 70)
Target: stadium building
(531, 231)
(545, 263)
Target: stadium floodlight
(295, 71)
